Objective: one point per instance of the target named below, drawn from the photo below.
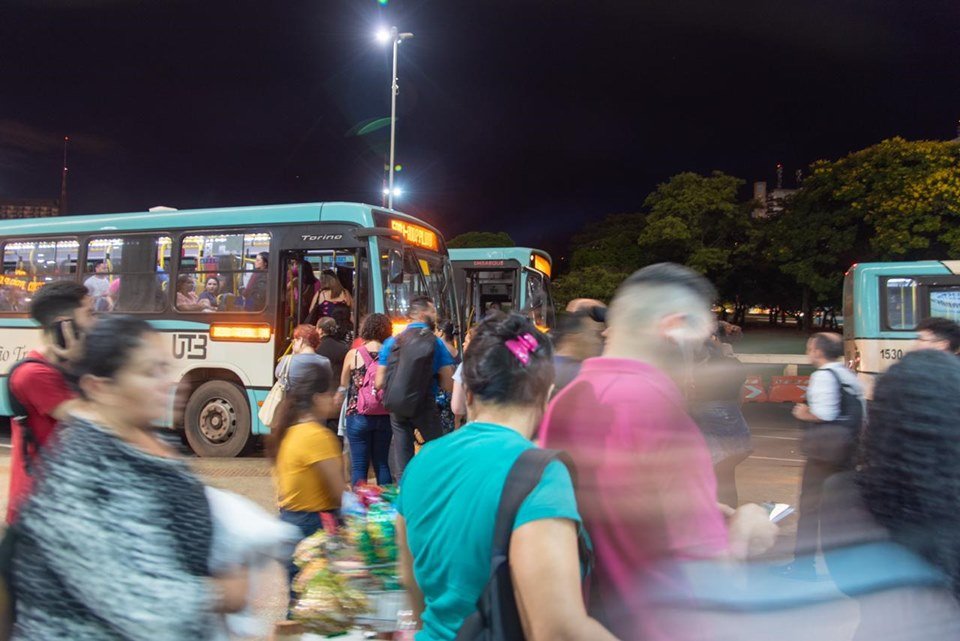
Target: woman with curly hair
(368, 428)
(891, 529)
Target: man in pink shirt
(645, 482)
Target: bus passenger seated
(210, 292)
(187, 300)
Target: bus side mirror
(395, 267)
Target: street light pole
(394, 90)
(396, 38)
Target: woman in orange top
(306, 454)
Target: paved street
(771, 474)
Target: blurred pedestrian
(646, 486)
(306, 454)
(115, 542)
(368, 422)
(891, 529)
(39, 383)
(578, 336)
(832, 418)
(450, 495)
(303, 355)
(938, 333)
(414, 367)
(715, 407)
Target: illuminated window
(28, 265)
(902, 303)
(128, 274)
(223, 272)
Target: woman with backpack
(451, 495)
(368, 422)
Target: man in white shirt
(828, 387)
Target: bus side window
(128, 274)
(227, 271)
(945, 303)
(28, 265)
(902, 303)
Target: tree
(478, 239)
(695, 220)
(897, 200)
(594, 281)
(611, 243)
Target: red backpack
(369, 398)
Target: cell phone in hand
(59, 335)
(778, 511)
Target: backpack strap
(28, 441)
(521, 481)
(846, 393)
(365, 355)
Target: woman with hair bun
(451, 490)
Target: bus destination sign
(416, 235)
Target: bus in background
(226, 287)
(506, 278)
(882, 304)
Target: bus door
(302, 273)
(489, 289)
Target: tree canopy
(896, 200)
(477, 239)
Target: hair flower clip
(522, 346)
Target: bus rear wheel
(217, 420)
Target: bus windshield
(539, 305)
(424, 274)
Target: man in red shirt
(645, 483)
(63, 309)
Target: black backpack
(410, 373)
(496, 617)
(28, 439)
(835, 442)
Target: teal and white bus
(882, 304)
(225, 349)
(506, 278)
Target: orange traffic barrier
(788, 389)
(753, 391)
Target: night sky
(532, 117)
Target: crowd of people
(626, 525)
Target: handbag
(496, 617)
(277, 393)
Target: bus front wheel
(217, 420)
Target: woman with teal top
(450, 492)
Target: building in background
(28, 208)
(772, 202)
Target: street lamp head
(397, 191)
(404, 36)
(383, 35)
